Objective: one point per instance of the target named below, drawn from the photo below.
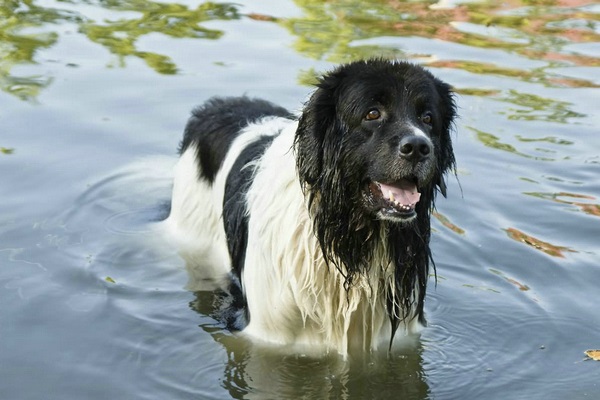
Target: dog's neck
(365, 250)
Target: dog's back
(217, 140)
(214, 126)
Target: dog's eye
(373, 114)
(427, 118)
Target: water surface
(93, 99)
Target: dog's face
(385, 127)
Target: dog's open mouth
(394, 200)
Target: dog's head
(373, 144)
(377, 133)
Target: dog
(320, 222)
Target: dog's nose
(415, 148)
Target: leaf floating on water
(593, 354)
(5, 150)
(109, 279)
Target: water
(94, 96)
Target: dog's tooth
(391, 196)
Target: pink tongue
(405, 193)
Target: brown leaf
(593, 354)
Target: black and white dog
(322, 221)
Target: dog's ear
(441, 184)
(318, 118)
(447, 108)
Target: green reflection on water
(26, 28)
(174, 20)
(495, 142)
(18, 47)
(548, 139)
(583, 202)
(328, 29)
(537, 108)
(336, 31)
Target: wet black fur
(337, 152)
(214, 125)
(235, 219)
(212, 128)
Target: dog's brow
(423, 99)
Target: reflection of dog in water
(254, 371)
(322, 222)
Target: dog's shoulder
(214, 125)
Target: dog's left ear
(441, 184)
(447, 108)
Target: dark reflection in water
(256, 371)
